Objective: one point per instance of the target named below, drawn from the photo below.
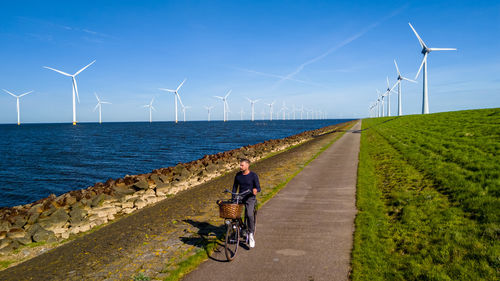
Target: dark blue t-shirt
(246, 182)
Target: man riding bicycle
(247, 180)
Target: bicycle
(237, 229)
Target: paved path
(306, 231)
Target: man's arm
(235, 185)
(256, 184)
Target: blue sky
(324, 55)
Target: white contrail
(338, 46)
(274, 76)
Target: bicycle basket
(228, 210)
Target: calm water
(39, 159)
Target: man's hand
(254, 191)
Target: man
(248, 180)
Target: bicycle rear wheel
(232, 240)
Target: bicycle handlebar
(236, 194)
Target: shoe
(251, 241)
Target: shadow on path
(209, 238)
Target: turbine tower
(184, 110)
(270, 110)
(425, 51)
(388, 94)
(226, 106)
(75, 87)
(284, 108)
(17, 101)
(151, 108)
(400, 78)
(252, 103)
(176, 96)
(99, 105)
(209, 109)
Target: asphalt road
(306, 231)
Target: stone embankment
(55, 218)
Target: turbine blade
(96, 106)
(407, 79)
(219, 97)
(418, 36)
(95, 94)
(105, 102)
(442, 49)
(26, 93)
(228, 93)
(397, 68)
(166, 90)
(76, 88)
(78, 72)
(63, 73)
(422, 64)
(181, 84)
(388, 85)
(10, 93)
(395, 85)
(152, 107)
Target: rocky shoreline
(55, 218)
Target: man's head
(244, 164)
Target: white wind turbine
(241, 114)
(270, 110)
(75, 87)
(226, 106)
(293, 110)
(387, 93)
(99, 105)
(252, 103)
(151, 108)
(425, 51)
(381, 99)
(184, 110)
(176, 96)
(17, 100)
(284, 108)
(400, 78)
(301, 112)
(209, 109)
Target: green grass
(428, 198)
(201, 255)
(5, 264)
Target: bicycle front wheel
(232, 240)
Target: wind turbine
(241, 114)
(209, 108)
(184, 110)
(226, 106)
(75, 87)
(293, 110)
(381, 98)
(425, 51)
(284, 108)
(388, 94)
(301, 111)
(270, 110)
(400, 78)
(99, 105)
(151, 108)
(176, 97)
(252, 103)
(17, 100)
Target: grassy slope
(428, 198)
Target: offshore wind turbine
(301, 111)
(151, 108)
(400, 79)
(226, 106)
(176, 96)
(209, 109)
(184, 110)
(270, 110)
(252, 103)
(425, 51)
(99, 105)
(284, 108)
(241, 114)
(17, 102)
(75, 87)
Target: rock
(4, 226)
(122, 190)
(77, 214)
(141, 184)
(99, 199)
(127, 204)
(33, 217)
(165, 179)
(16, 233)
(19, 221)
(3, 234)
(24, 240)
(139, 203)
(4, 243)
(42, 235)
(56, 220)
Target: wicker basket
(230, 210)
